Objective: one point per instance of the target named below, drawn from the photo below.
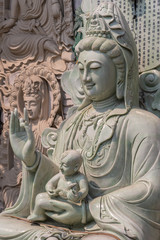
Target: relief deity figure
(36, 101)
(38, 91)
(32, 31)
(119, 143)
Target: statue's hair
(73, 153)
(108, 46)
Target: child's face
(67, 166)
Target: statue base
(21, 229)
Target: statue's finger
(29, 132)
(22, 124)
(26, 116)
(17, 126)
(12, 123)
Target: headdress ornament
(107, 21)
(32, 87)
(103, 21)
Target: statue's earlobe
(76, 168)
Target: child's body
(69, 184)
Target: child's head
(71, 161)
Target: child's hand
(51, 192)
(74, 197)
(71, 196)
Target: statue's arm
(83, 185)
(7, 24)
(52, 184)
(55, 8)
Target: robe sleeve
(34, 179)
(133, 212)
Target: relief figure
(32, 32)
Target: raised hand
(22, 138)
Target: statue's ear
(76, 168)
(49, 138)
(71, 84)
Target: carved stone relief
(36, 31)
(36, 88)
(150, 91)
(36, 39)
(1, 10)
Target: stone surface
(69, 184)
(36, 31)
(150, 91)
(119, 143)
(99, 237)
(37, 89)
(143, 20)
(35, 36)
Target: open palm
(22, 138)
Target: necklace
(98, 111)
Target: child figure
(69, 184)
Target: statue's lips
(89, 86)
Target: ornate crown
(102, 22)
(97, 27)
(32, 87)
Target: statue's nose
(86, 77)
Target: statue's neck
(106, 104)
(34, 124)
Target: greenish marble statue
(119, 143)
(68, 184)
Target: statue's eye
(95, 65)
(80, 66)
(33, 104)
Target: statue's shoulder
(143, 115)
(143, 122)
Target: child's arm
(52, 184)
(83, 185)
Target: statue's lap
(99, 237)
(9, 225)
(14, 228)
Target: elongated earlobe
(76, 168)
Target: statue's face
(33, 107)
(97, 74)
(67, 166)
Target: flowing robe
(122, 165)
